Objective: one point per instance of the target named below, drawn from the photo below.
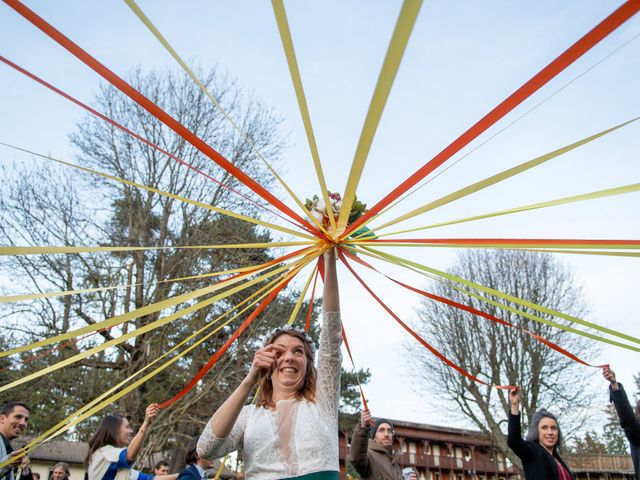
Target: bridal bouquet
(320, 212)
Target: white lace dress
(298, 437)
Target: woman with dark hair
(539, 453)
(112, 451)
(629, 420)
(60, 471)
(291, 432)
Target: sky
(463, 58)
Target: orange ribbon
(575, 51)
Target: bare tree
(500, 355)
(45, 205)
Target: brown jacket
(371, 460)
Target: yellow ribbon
(492, 180)
(56, 250)
(585, 252)
(219, 472)
(287, 44)
(397, 46)
(519, 301)
(171, 195)
(107, 398)
(34, 296)
(296, 309)
(141, 330)
(551, 203)
(516, 311)
(146, 310)
(147, 22)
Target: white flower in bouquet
(317, 215)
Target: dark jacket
(629, 424)
(537, 462)
(4, 472)
(189, 473)
(370, 459)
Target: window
(412, 451)
(467, 454)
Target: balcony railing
(434, 462)
(600, 463)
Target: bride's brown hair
(308, 388)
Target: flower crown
(284, 329)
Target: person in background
(629, 419)
(161, 468)
(14, 418)
(25, 469)
(372, 452)
(539, 453)
(112, 451)
(60, 471)
(196, 466)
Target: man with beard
(372, 452)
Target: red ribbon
(355, 371)
(156, 111)
(475, 311)
(216, 356)
(135, 135)
(575, 51)
(433, 350)
(513, 241)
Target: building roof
(441, 433)
(57, 450)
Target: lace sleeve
(329, 362)
(210, 446)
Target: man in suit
(196, 466)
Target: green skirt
(318, 476)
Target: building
(44, 457)
(601, 467)
(442, 453)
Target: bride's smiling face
(291, 363)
